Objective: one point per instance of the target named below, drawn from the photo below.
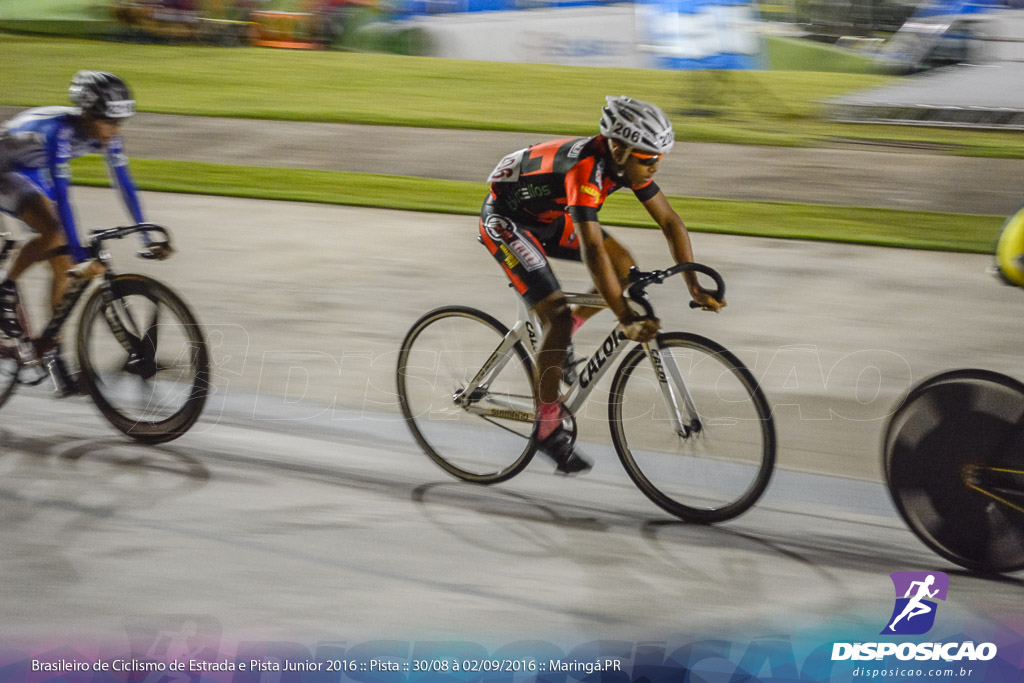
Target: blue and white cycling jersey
(38, 145)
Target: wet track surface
(339, 527)
(300, 508)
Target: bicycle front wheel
(144, 359)
(953, 457)
(692, 428)
(468, 399)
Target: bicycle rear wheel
(10, 364)
(722, 466)
(9, 367)
(144, 359)
(953, 456)
(475, 428)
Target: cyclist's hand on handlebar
(158, 251)
(705, 300)
(640, 329)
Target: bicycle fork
(685, 419)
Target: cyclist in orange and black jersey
(544, 202)
(559, 185)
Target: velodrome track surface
(882, 177)
(300, 509)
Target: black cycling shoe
(569, 373)
(559, 447)
(9, 323)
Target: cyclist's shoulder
(572, 151)
(42, 127)
(42, 118)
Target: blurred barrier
(667, 34)
(584, 36)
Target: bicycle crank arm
(512, 414)
(1002, 485)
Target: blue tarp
(412, 8)
(940, 8)
(699, 34)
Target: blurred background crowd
(643, 33)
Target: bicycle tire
(158, 395)
(947, 427)
(10, 366)
(440, 354)
(703, 477)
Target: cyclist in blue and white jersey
(36, 147)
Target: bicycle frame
(524, 331)
(1004, 485)
(32, 350)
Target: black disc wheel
(953, 457)
(144, 358)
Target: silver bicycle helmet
(637, 124)
(102, 95)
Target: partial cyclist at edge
(1009, 266)
(543, 203)
(36, 147)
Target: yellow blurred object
(1010, 250)
(290, 30)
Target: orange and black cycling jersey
(544, 183)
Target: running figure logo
(914, 612)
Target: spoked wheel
(144, 359)
(479, 434)
(719, 463)
(954, 463)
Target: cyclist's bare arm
(599, 263)
(678, 237)
(602, 270)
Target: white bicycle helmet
(637, 124)
(102, 95)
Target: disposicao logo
(914, 612)
(913, 615)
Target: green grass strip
(315, 85)
(750, 107)
(893, 228)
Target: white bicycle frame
(678, 401)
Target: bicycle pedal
(569, 424)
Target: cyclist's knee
(555, 313)
(38, 213)
(61, 263)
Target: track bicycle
(142, 354)
(688, 420)
(953, 457)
